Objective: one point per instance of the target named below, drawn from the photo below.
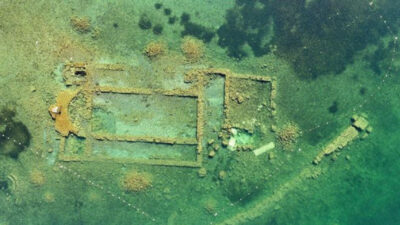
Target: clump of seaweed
(81, 24)
(134, 181)
(154, 49)
(192, 48)
(37, 178)
(288, 135)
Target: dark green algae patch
(14, 135)
(317, 37)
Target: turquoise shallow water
(174, 97)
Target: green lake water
(173, 97)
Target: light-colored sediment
(264, 148)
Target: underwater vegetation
(288, 135)
(158, 29)
(316, 37)
(154, 49)
(192, 48)
(145, 22)
(15, 129)
(334, 107)
(134, 181)
(196, 30)
(323, 36)
(246, 24)
(376, 60)
(81, 24)
(158, 5)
